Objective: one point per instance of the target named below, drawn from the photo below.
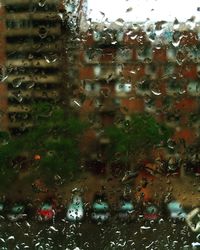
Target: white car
(176, 210)
(75, 210)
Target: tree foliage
(54, 138)
(138, 134)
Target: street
(161, 235)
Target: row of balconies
(32, 44)
(20, 102)
(38, 63)
(136, 71)
(171, 115)
(31, 6)
(147, 88)
(19, 95)
(27, 81)
(39, 31)
(146, 54)
(28, 20)
(28, 47)
(130, 37)
(21, 2)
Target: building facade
(30, 57)
(108, 72)
(127, 71)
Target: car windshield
(17, 208)
(77, 200)
(100, 205)
(1, 206)
(46, 207)
(151, 209)
(175, 206)
(127, 206)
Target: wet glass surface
(99, 124)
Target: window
(97, 70)
(92, 87)
(123, 87)
(193, 88)
(144, 53)
(99, 124)
(124, 55)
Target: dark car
(100, 208)
(2, 209)
(17, 212)
(127, 209)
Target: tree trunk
(182, 170)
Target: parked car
(46, 211)
(100, 208)
(176, 211)
(193, 220)
(17, 212)
(75, 210)
(127, 210)
(2, 207)
(151, 211)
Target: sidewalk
(184, 189)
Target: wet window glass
(99, 124)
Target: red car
(151, 212)
(46, 212)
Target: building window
(92, 87)
(123, 87)
(124, 55)
(97, 70)
(193, 88)
(144, 53)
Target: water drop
(129, 9)
(51, 57)
(119, 22)
(3, 73)
(43, 31)
(2, 240)
(30, 84)
(42, 3)
(16, 83)
(156, 92)
(11, 238)
(53, 229)
(18, 96)
(171, 144)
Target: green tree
(135, 137)
(54, 138)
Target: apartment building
(128, 70)
(30, 59)
(110, 71)
(3, 75)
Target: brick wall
(162, 80)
